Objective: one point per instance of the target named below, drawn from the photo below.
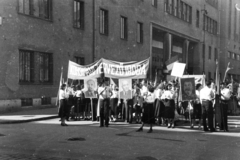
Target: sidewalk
(28, 115)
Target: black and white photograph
(119, 79)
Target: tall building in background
(38, 37)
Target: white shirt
(206, 93)
(114, 94)
(150, 98)
(226, 94)
(158, 93)
(62, 94)
(78, 93)
(168, 95)
(143, 90)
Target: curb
(27, 120)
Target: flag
(155, 82)
(60, 84)
(228, 68)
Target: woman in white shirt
(169, 103)
(148, 109)
(159, 106)
(63, 106)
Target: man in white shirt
(206, 97)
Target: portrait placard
(90, 88)
(187, 89)
(125, 88)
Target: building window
(103, 21)
(210, 25)
(46, 100)
(238, 57)
(154, 3)
(80, 60)
(26, 102)
(26, 66)
(210, 53)
(31, 62)
(216, 54)
(229, 55)
(139, 32)
(179, 9)
(124, 29)
(45, 67)
(197, 18)
(233, 56)
(78, 15)
(36, 8)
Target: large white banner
(111, 69)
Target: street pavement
(43, 138)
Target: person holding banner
(63, 110)
(105, 93)
(224, 100)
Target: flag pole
(60, 83)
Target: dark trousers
(224, 110)
(104, 111)
(207, 113)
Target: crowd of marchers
(151, 103)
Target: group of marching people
(151, 103)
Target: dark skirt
(148, 113)
(63, 109)
(159, 108)
(169, 108)
(197, 111)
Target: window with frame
(103, 21)
(36, 8)
(210, 25)
(45, 67)
(139, 32)
(233, 56)
(197, 18)
(35, 67)
(238, 57)
(154, 3)
(179, 9)
(26, 66)
(209, 52)
(78, 14)
(124, 29)
(229, 54)
(80, 60)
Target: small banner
(178, 69)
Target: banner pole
(92, 107)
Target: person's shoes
(150, 130)
(226, 130)
(101, 126)
(64, 124)
(139, 130)
(169, 125)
